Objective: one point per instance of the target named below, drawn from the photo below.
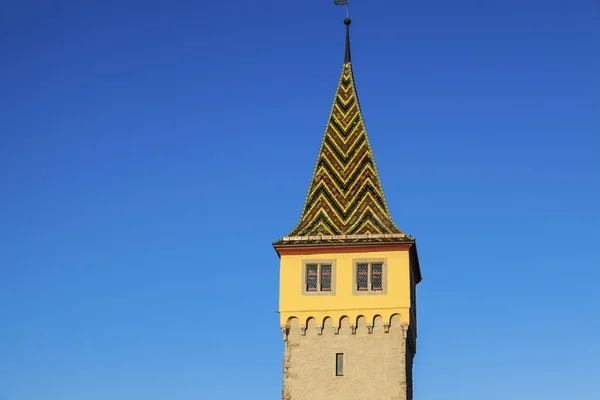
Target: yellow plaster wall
(292, 303)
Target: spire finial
(347, 22)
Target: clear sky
(151, 152)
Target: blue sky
(150, 152)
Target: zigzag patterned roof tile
(345, 195)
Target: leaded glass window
(311, 277)
(325, 277)
(370, 276)
(319, 276)
(363, 276)
(376, 277)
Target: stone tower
(348, 274)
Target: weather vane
(342, 3)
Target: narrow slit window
(326, 277)
(376, 277)
(339, 364)
(311, 277)
(363, 277)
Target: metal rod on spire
(347, 22)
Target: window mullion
(319, 277)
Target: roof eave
(340, 244)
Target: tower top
(345, 201)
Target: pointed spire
(347, 21)
(345, 200)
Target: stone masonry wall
(375, 360)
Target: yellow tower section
(348, 274)
(361, 281)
